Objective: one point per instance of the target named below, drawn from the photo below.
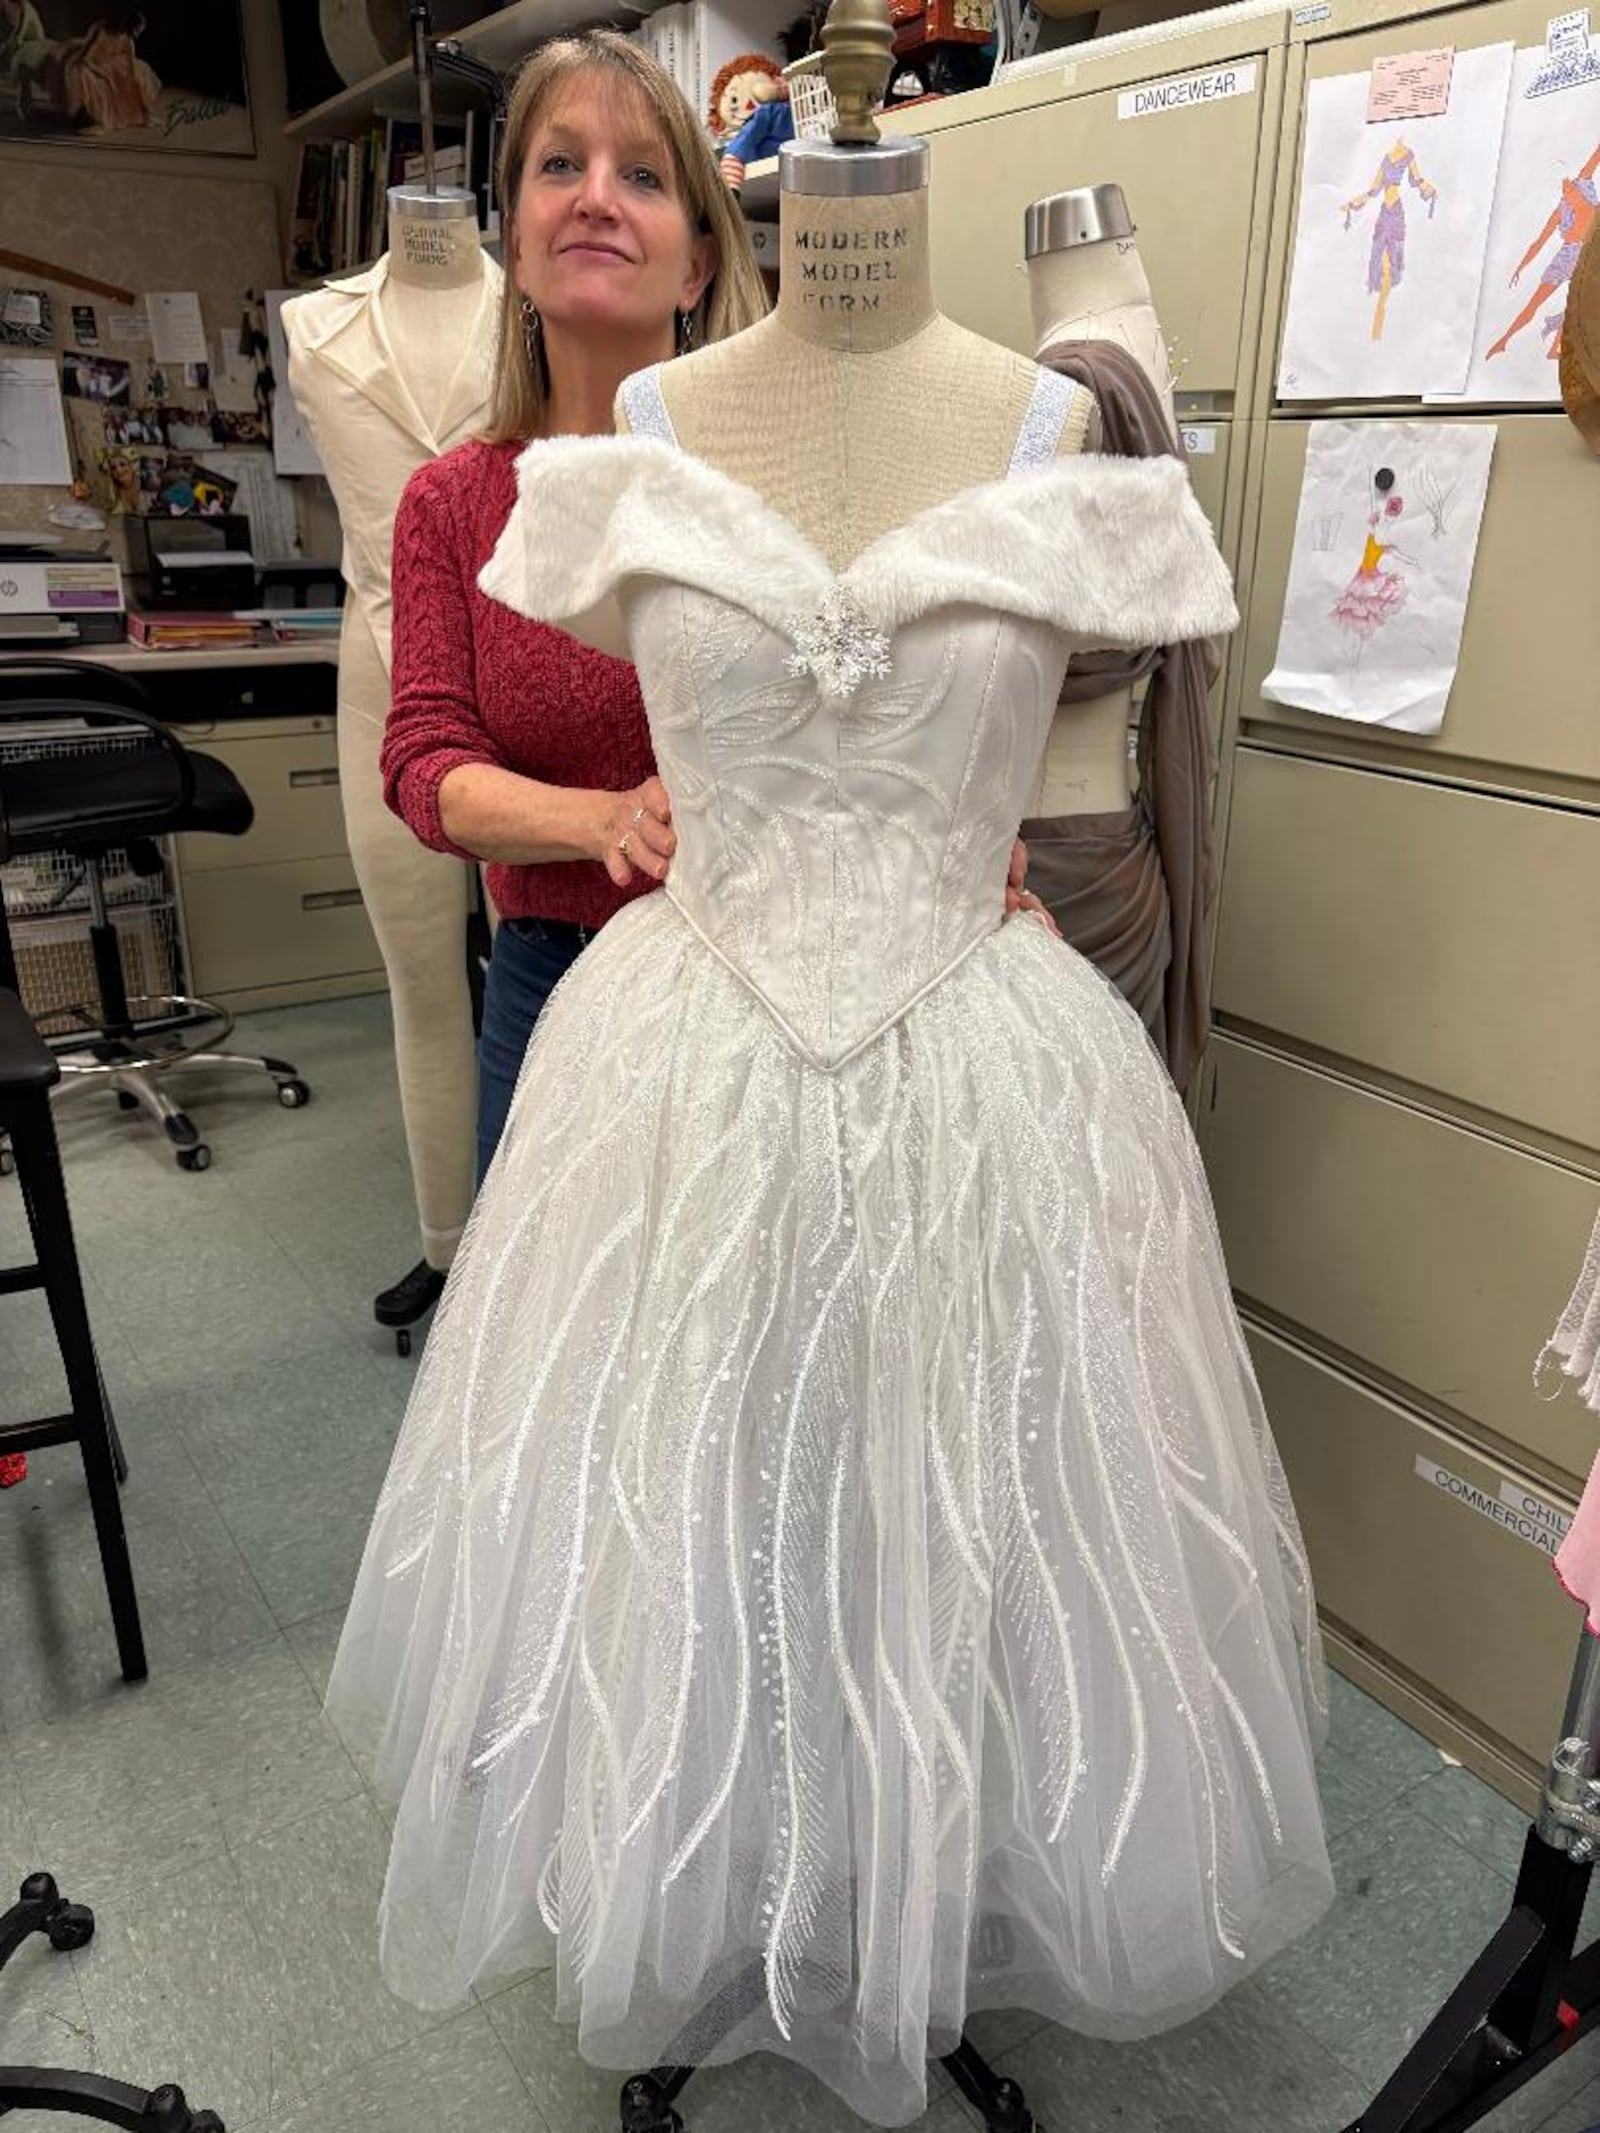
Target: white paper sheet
(292, 447)
(1393, 226)
(33, 424)
(264, 497)
(1546, 197)
(177, 331)
(1381, 569)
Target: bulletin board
(136, 425)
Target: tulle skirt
(835, 1549)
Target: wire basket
(46, 899)
(55, 964)
(810, 99)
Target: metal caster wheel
(402, 1342)
(169, 2112)
(196, 1158)
(293, 1095)
(645, 2108)
(72, 1927)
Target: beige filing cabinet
(1401, 1111)
(275, 917)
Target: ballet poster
(1389, 249)
(1381, 569)
(1544, 207)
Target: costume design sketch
(1412, 237)
(1544, 207)
(1380, 643)
(1386, 262)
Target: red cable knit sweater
(473, 683)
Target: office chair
(100, 774)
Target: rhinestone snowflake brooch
(838, 646)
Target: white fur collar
(1112, 552)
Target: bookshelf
(500, 40)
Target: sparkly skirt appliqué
(835, 1544)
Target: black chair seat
(25, 1059)
(90, 803)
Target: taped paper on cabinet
(1389, 250)
(1384, 547)
(1544, 207)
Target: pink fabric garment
(1575, 1345)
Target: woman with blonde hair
(507, 741)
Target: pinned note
(1410, 85)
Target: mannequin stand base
(412, 1298)
(42, 1909)
(1528, 1998)
(648, 2099)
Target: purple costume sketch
(1386, 262)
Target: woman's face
(601, 238)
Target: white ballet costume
(835, 1540)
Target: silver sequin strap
(646, 408)
(1039, 438)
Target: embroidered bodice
(849, 753)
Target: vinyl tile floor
(217, 1826)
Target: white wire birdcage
(810, 99)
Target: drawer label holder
(1515, 1510)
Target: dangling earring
(533, 334)
(685, 332)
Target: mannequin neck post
(433, 239)
(854, 272)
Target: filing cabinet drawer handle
(299, 780)
(330, 899)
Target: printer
(194, 563)
(53, 597)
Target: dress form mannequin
(808, 406)
(390, 368)
(1126, 881)
(1086, 282)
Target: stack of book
(167, 630)
(301, 625)
(340, 216)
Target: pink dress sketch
(1571, 219)
(1386, 262)
(1374, 596)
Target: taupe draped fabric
(1129, 890)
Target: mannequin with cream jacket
(391, 368)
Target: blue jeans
(528, 961)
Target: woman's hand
(1020, 899)
(636, 834)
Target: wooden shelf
(758, 196)
(499, 40)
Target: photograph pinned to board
(167, 74)
(95, 377)
(1544, 207)
(1389, 249)
(1384, 546)
(25, 318)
